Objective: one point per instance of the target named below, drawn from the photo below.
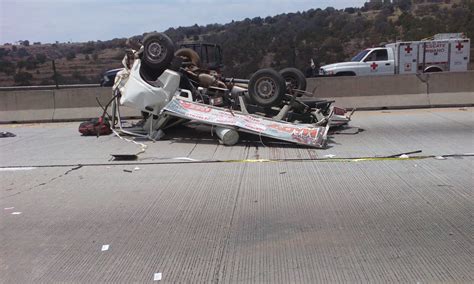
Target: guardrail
(78, 102)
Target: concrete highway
(295, 219)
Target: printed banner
(304, 134)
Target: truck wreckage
(171, 88)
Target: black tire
(295, 78)
(158, 51)
(190, 55)
(267, 88)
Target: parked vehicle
(442, 53)
(108, 77)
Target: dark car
(108, 77)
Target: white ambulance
(443, 52)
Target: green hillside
(324, 35)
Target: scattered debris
(329, 156)
(136, 169)
(463, 109)
(404, 154)
(157, 276)
(282, 173)
(5, 134)
(124, 157)
(128, 171)
(95, 127)
(105, 247)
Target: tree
(30, 63)
(71, 55)
(23, 78)
(350, 10)
(404, 5)
(41, 58)
(7, 67)
(22, 52)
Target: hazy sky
(84, 20)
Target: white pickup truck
(445, 52)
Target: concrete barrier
(398, 91)
(26, 106)
(371, 92)
(39, 105)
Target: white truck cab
(445, 52)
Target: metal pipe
(234, 80)
(228, 136)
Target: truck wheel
(294, 78)
(158, 51)
(267, 87)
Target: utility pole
(55, 75)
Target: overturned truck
(171, 88)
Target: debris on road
(16, 213)
(5, 134)
(157, 276)
(105, 247)
(124, 157)
(95, 127)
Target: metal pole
(55, 75)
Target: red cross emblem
(408, 49)
(374, 66)
(459, 46)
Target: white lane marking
(16, 213)
(157, 276)
(17, 169)
(8, 208)
(186, 159)
(105, 247)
